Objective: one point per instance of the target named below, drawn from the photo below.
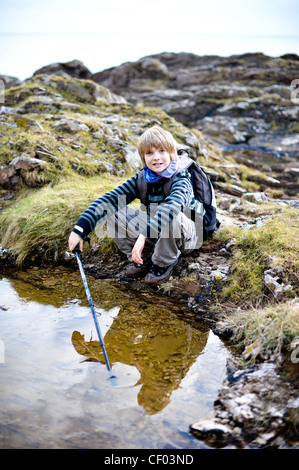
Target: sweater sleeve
(108, 204)
(181, 194)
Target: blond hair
(157, 138)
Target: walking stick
(90, 302)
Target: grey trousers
(177, 237)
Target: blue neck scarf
(151, 177)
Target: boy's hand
(137, 249)
(74, 239)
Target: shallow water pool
(55, 387)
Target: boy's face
(157, 160)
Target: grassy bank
(37, 224)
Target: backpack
(202, 188)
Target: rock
(129, 152)
(255, 197)
(27, 163)
(263, 439)
(220, 274)
(132, 158)
(265, 181)
(5, 109)
(74, 68)
(247, 395)
(231, 100)
(232, 189)
(271, 260)
(70, 125)
(273, 277)
(9, 81)
(112, 122)
(22, 169)
(275, 270)
(294, 172)
(85, 91)
(152, 67)
(277, 288)
(233, 131)
(44, 154)
(8, 177)
(230, 244)
(242, 413)
(26, 122)
(5, 255)
(253, 350)
(207, 428)
(225, 203)
(105, 167)
(119, 78)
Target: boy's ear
(174, 155)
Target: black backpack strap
(142, 187)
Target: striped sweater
(165, 209)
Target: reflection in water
(154, 340)
(50, 397)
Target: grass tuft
(272, 329)
(39, 221)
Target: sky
(107, 33)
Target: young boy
(152, 241)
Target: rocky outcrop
(242, 102)
(123, 77)
(76, 123)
